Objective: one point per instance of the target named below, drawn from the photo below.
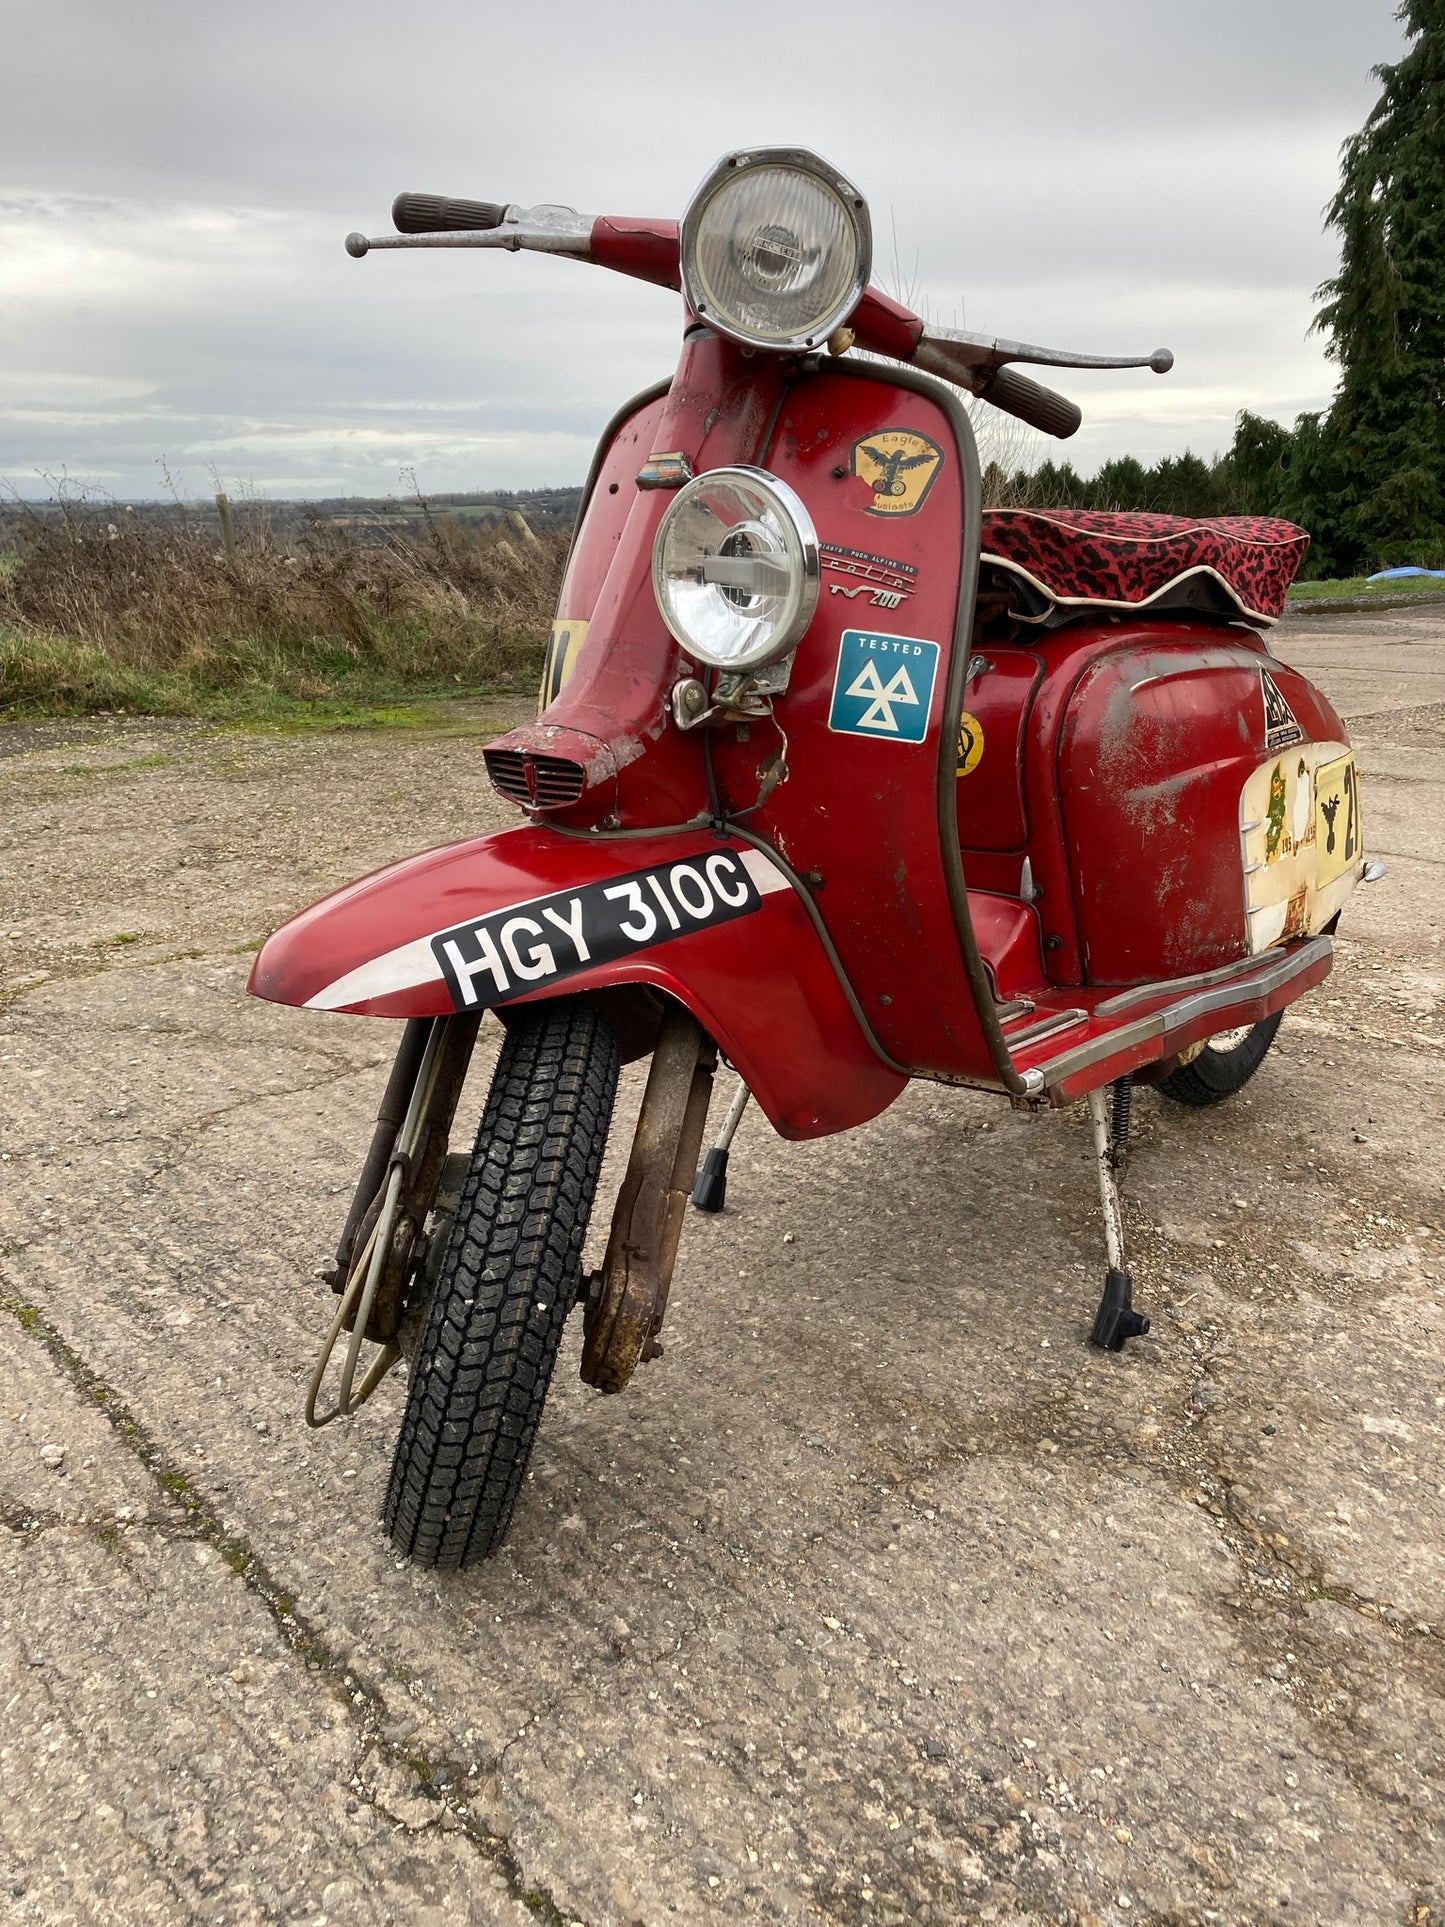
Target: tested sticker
(884, 686)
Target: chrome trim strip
(1160, 1023)
(1017, 1007)
(1045, 1027)
(1141, 993)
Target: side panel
(513, 917)
(992, 812)
(1157, 745)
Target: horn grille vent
(536, 782)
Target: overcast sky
(176, 181)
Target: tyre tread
(506, 1285)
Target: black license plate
(512, 951)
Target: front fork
(628, 1297)
(382, 1248)
(382, 1252)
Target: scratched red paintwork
(992, 810)
(1158, 741)
(861, 812)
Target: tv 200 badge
(512, 951)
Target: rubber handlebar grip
(436, 214)
(1040, 407)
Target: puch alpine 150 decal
(886, 583)
(514, 950)
(899, 467)
(883, 686)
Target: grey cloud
(175, 182)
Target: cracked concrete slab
(880, 1597)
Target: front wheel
(1224, 1066)
(506, 1285)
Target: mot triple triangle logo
(881, 696)
(883, 686)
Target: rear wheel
(506, 1285)
(1224, 1066)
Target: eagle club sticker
(883, 686)
(899, 467)
(528, 944)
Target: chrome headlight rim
(804, 557)
(803, 161)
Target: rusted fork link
(629, 1296)
(381, 1245)
(422, 1172)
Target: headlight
(776, 249)
(735, 568)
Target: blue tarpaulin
(1392, 575)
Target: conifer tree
(1369, 478)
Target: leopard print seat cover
(1125, 561)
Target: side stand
(1116, 1318)
(711, 1187)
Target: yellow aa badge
(561, 659)
(899, 467)
(970, 743)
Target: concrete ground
(881, 1598)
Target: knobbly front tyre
(506, 1284)
(1221, 1068)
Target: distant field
(1359, 585)
(104, 611)
(349, 612)
(367, 519)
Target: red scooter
(837, 775)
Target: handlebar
(648, 250)
(437, 214)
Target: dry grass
(105, 609)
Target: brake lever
(540, 230)
(961, 350)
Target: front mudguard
(404, 943)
